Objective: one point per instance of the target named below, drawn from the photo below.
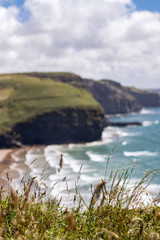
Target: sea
(84, 165)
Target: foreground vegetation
(23, 97)
(115, 211)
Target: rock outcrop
(63, 126)
(123, 124)
(112, 97)
(145, 98)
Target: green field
(22, 97)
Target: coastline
(4, 153)
(5, 162)
(12, 161)
(7, 158)
(135, 145)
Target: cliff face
(43, 111)
(57, 108)
(63, 126)
(145, 98)
(111, 95)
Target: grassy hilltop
(22, 97)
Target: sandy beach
(8, 158)
(5, 158)
(5, 162)
(4, 153)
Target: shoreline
(5, 163)
(4, 153)
(7, 158)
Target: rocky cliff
(145, 98)
(63, 126)
(33, 111)
(111, 95)
(56, 108)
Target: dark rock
(124, 124)
(112, 97)
(107, 123)
(145, 98)
(64, 126)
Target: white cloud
(93, 38)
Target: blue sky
(7, 3)
(150, 5)
(99, 39)
(23, 15)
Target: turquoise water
(140, 144)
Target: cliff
(111, 95)
(46, 112)
(146, 98)
(56, 108)
(63, 126)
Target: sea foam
(146, 111)
(95, 157)
(140, 153)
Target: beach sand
(5, 162)
(12, 164)
(7, 158)
(4, 153)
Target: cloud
(94, 38)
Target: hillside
(111, 95)
(56, 108)
(29, 105)
(146, 98)
(155, 90)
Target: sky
(98, 39)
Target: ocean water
(85, 164)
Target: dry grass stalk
(70, 219)
(155, 236)
(96, 193)
(156, 214)
(60, 163)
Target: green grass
(52, 74)
(135, 90)
(5, 93)
(24, 97)
(113, 213)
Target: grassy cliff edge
(24, 97)
(43, 111)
